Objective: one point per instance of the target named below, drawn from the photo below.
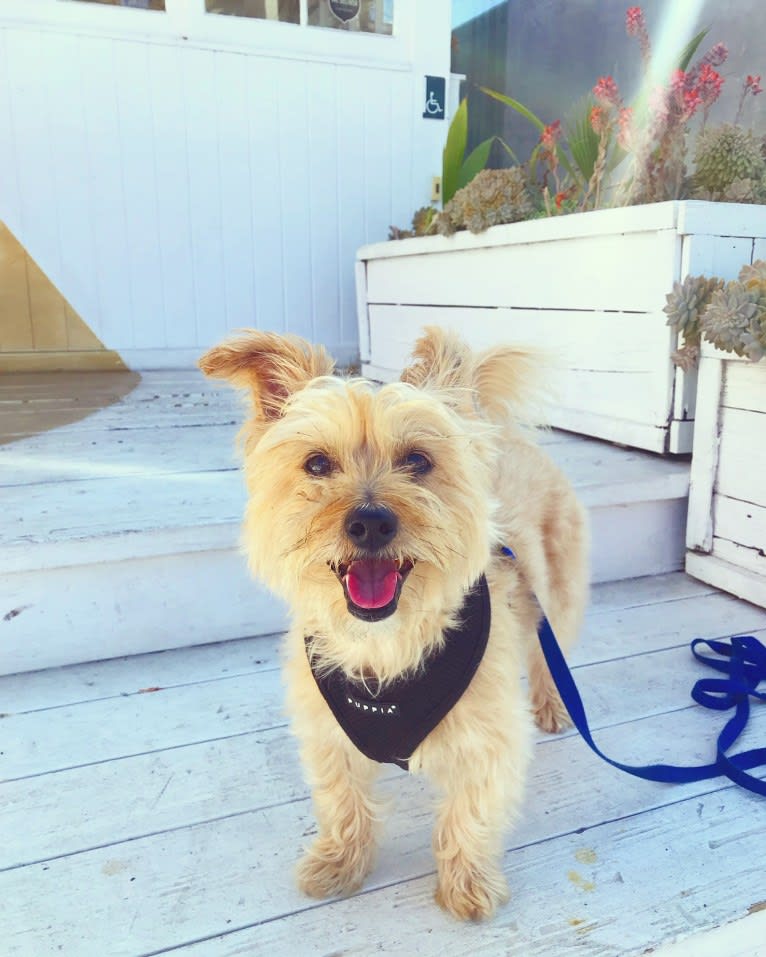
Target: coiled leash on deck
(743, 660)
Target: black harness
(387, 727)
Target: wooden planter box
(590, 287)
(726, 528)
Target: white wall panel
(105, 199)
(238, 307)
(178, 321)
(263, 105)
(175, 189)
(66, 123)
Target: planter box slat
(592, 273)
(742, 556)
(590, 287)
(600, 341)
(721, 219)
(711, 255)
(726, 532)
(744, 522)
(744, 389)
(741, 459)
(735, 579)
(626, 378)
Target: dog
(379, 512)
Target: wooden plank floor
(155, 805)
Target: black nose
(371, 527)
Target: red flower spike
(606, 91)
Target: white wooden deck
(155, 804)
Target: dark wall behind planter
(549, 53)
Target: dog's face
(373, 503)
(370, 508)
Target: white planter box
(726, 528)
(591, 287)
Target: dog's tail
(502, 380)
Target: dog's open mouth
(372, 585)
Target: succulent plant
(686, 302)
(745, 191)
(735, 321)
(753, 272)
(423, 224)
(492, 197)
(726, 155)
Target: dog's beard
(372, 586)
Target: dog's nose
(371, 527)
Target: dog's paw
(550, 714)
(330, 870)
(469, 893)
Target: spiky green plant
(727, 155)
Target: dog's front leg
(467, 850)
(344, 850)
(482, 780)
(341, 780)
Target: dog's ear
(488, 382)
(511, 377)
(441, 360)
(271, 366)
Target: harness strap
(743, 660)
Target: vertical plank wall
(173, 193)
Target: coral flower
(551, 135)
(598, 119)
(753, 84)
(709, 84)
(635, 26)
(625, 127)
(634, 21)
(606, 91)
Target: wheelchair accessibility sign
(434, 103)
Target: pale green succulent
(493, 196)
(686, 302)
(726, 155)
(753, 272)
(735, 321)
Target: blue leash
(742, 660)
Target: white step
(636, 501)
(119, 529)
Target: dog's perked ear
(441, 360)
(271, 366)
(491, 381)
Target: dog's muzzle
(372, 583)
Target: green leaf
(534, 120)
(691, 48)
(515, 105)
(582, 139)
(508, 150)
(474, 163)
(454, 151)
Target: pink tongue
(371, 582)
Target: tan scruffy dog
(378, 513)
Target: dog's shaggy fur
(445, 453)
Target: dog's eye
(417, 463)
(318, 464)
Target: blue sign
(435, 98)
